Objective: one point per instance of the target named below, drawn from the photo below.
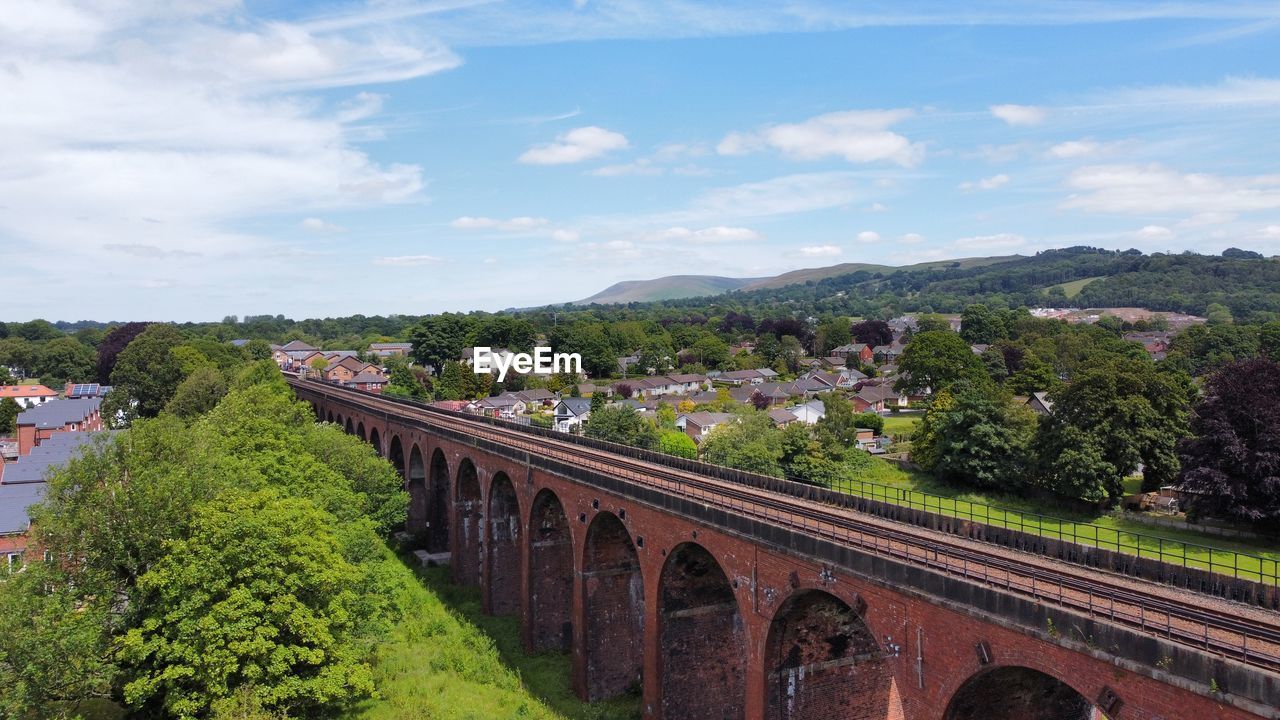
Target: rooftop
(56, 413)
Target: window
(15, 561)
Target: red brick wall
(550, 577)
(503, 572)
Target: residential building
(368, 382)
(697, 425)
(1040, 403)
(505, 405)
(809, 413)
(861, 351)
(571, 412)
(536, 397)
(390, 349)
(27, 396)
(75, 391)
(40, 423)
(23, 484)
(782, 417)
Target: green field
(1074, 287)
(1245, 559)
(900, 426)
(446, 659)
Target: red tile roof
(25, 391)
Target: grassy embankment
(1100, 529)
(447, 660)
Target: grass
(1245, 559)
(446, 659)
(901, 425)
(1074, 287)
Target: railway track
(1245, 633)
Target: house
(861, 351)
(23, 484)
(979, 348)
(386, 350)
(38, 424)
(27, 396)
(84, 390)
(889, 353)
(348, 367)
(536, 397)
(878, 397)
(809, 413)
(753, 377)
(689, 382)
(571, 412)
(368, 382)
(697, 425)
(782, 417)
(1155, 343)
(287, 355)
(505, 405)
(454, 405)
(1040, 403)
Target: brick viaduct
(705, 622)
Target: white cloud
(858, 136)
(151, 252)
(877, 207)
(1019, 114)
(820, 251)
(639, 167)
(777, 196)
(1000, 241)
(911, 239)
(1206, 219)
(990, 183)
(575, 146)
(563, 235)
(1231, 91)
(523, 223)
(1153, 232)
(173, 124)
(1075, 149)
(868, 236)
(1145, 189)
(317, 225)
(1270, 232)
(710, 235)
(408, 260)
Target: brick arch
(1017, 692)
(329, 416)
(502, 545)
(416, 483)
(550, 574)
(439, 504)
(395, 454)
(348, 427)
(822, 661)
(468, 525)
(701, 638)
(360, 430)
(613, 605)
(375, 439)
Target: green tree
(63, 359)
(198, 394)
(271, 570)
(936, 360)
(146, 373)
(9, 411)
(258, 349)
(750, 443)
(1034, 376)
(674, 442)
(980, 324)
(981, 439)
(1108, 420)
(621, 424)
(930, 322)
(1218, 314)
(993, 360)
(440, 339)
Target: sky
(192, 159)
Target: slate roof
(23, 483)
(368, 377)
(703, 419)
(577, 406)
(57, 413)
(297, 346)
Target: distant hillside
(677, 287)
(671, 287)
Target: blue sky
(199, 158)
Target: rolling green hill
(677, 287)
